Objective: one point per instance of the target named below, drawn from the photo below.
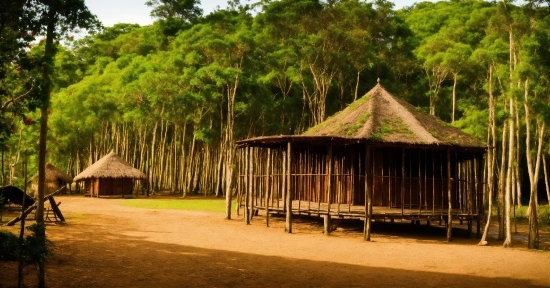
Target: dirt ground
(106, 244)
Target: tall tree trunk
(455, 76)
(533, 170)
(517, 168)
(501, 183)
(48, 55)
(509, 171)
(546, 179)
(491, 142)
(230, 145)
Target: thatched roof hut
(380, 117)
(55, 179)
(378, 158)
(110, 175)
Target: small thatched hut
(55, 179)
(380, 158)
(109, 176)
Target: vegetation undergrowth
(35, 249)
(210, 205)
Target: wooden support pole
(368, 194)
(329, 175)
(268, 184)
(248, 181)
(450, 210)
(288, 226)
(253, 184)
(55, 209)
(402, 181)
(471, 193)
(327, 224)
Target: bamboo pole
(402, 181)
(329, 176)
(268, 186)
(471, 194)
(368, 194)
(248, 184)
(450, 211)
(288, 226)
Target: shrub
(9, 246)
(544, 216)
(36, 247)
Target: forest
(173, 97)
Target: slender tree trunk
(517, 168)
(501, 183)
(546, 179)
(509, 171)
(491, 142)
(455, 76)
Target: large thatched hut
(109, 176)
(55, 179)
(380, 158)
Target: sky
(111, 12)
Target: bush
(9, 246)
(544, 216)
(35, 247)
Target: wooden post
(450, 210)
(55, 209)
(402, 181)
(253, 184)
(471, 194)
(327, 224)
(268, 192)
(248, 183)
(479, 188)
(283, 179)
(368, 194)
(288, 226)
(329, 180)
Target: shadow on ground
(114, 260)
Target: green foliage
(35, 247)
(9, 246)
(544, 215)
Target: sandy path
(105, 244)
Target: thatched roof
(53, 173)
(15, 195)
(379, 117)
(110, 166)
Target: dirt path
(106, 244)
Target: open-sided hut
(109, 176)
(55, 179)
(379, 158)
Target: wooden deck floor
(358, 211)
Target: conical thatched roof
(53, 173)
(380, 117)
(110, 166)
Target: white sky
(111, 12)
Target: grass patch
(210, 205)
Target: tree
(186, 10)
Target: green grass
(543, 213)
(210, 205)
